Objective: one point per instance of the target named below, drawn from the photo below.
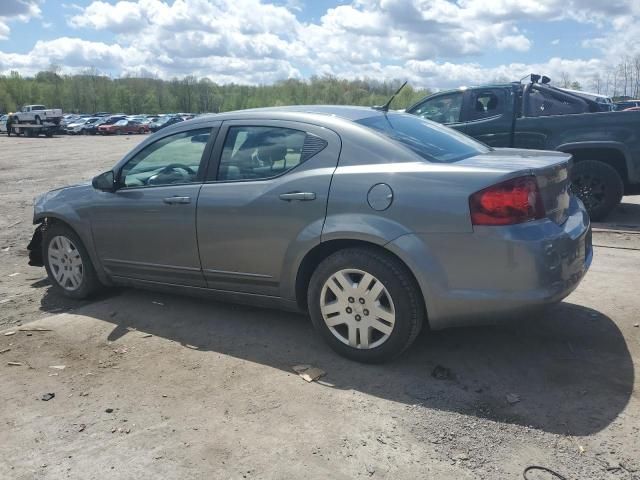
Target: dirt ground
(161, 386)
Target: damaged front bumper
(35, 247)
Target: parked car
(604, 103)
(164, 122)
(627, 104)
(82, 126)
(375, 223)
(92, 129)
(605, 145)
(123, 127)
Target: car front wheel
(366, 304)
(67, 263)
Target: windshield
(430, 140)
(121, 122)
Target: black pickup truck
(605, 145)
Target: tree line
(91, 92)
(620, 81)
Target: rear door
(264, 202)
(488, 116)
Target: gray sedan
(375, 223)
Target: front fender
(69, 205)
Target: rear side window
(433, 142)
(486, 103)
(255, 153)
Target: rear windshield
(430, 140)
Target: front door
(488, 116)
(265, 200)
(146, 230)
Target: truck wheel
(365, 304)
(598, 185)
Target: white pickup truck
(38, 114)
(32, 120)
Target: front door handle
(176, 200)
(301, 196)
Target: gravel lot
(201, 389)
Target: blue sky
(433, 43)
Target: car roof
(296, 112)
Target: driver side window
(442, 109)
(171, 160)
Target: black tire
(90, 283)
(598, 185)
(406, 296)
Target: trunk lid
(551, 169)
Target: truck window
(37, 107)
(546, 102)
(442, 108)
(485, 104)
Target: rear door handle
(176, 200)
(301, 196)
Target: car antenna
(385, 107)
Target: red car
(123, 127)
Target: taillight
(514, 201)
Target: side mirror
(105, 182)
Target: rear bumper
(498, 272)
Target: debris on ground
(158, 303)
(441, 373)
(8, 334)
(36, 329)
(146, 335)
(81, 427)
(5, 350)
(14, 274)
(47, 396)
(84, 394)
(58, 367)
(512, 398)
(308, 372)
(109, 410)
(14, 364)
(460, 457)
(636, 325)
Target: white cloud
(21, 10)
(434, 43)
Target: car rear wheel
(366, 305)
(67, 263)
(598, 185)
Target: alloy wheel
(65, 263)
(590, 189)
(357, 308)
